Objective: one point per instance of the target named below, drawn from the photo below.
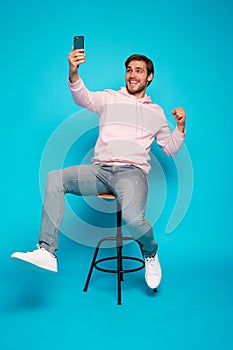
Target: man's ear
(150, 77)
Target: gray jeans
(128, 183)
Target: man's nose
(132, 74)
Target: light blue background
(191, 45)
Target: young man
(128, 124)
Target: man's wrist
(181, 128)
(73, 76)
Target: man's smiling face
(137, 78)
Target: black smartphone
(78, 42)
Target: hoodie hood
(146, 99)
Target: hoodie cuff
(179, 133)
(75, 86)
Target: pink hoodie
(127, 126)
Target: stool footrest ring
(142, 264)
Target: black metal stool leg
(119, 274)
(119, 251)
(91, 269)
(121, 263)
(119, 237)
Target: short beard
(137, 91)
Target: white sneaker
(153, 273)
(40, 258)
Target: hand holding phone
(76, 58)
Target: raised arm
(81, 95)
(171, 142)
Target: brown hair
(138, 57)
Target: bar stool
(119, 239)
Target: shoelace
(39, 248)
(152, 266)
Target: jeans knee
(135, 222)
(54, 180)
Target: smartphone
(78, 42)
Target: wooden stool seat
(107, 196)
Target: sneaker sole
(32, 266)
(156, 284)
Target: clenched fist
(180, 117)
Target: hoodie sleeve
(92, 101)
(170, 142)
